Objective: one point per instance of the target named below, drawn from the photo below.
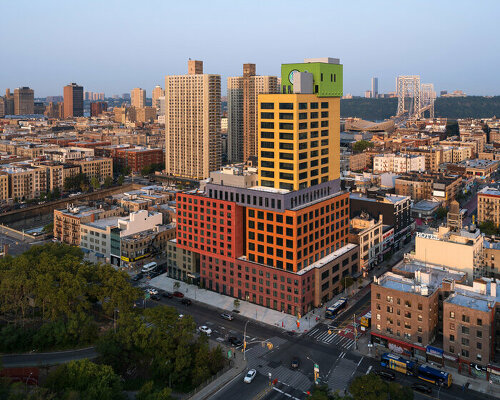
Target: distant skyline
(115, 46)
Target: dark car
(179, 295)
(234, 341)
(387, 375)
(295, 363)
(137, 277)
(155, 297)
(421, 388)
(168, 295)
(187, 302)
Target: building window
(452, 338)
(452, 314)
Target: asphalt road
(43, 359)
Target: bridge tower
(408, 86)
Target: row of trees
(83, 183)
(365, 387)
(50, 298)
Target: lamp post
(29, 377)
(245, 341)
(315, 370)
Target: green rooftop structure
(327, 76)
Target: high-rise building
(282, 244)
(157, 93)
(242, 95)
(192, 123)
(24, 101)
(374, 87)
(73, 101)
(138, 98)
(98, 108)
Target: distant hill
(449, 107)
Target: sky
(113, 46)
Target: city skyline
(378, 43)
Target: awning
(400, 342)
(85, 250)
(100, 255)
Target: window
(465, 318)
(267, 115)
(479, 334)
(284, 125)
(452, 338)
(286, 115)
(479, 345)
(267, 106)
(465, 353)
(452, 315)
(286, 106)
(465, 330)
(465, 341)
(267, 125)
(479, 322)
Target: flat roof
(270, 189)
(470, 300)
(103, 223)
(328, 258)
(426, 205)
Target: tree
(441, 213)
(370, 387)
(56, 193)
(177, 285)
(108, 182)
(121, 179)
(49, 228)
(94, 182)
(86, 379)
(361, 146)
(236, 304)
(149, 392)
(488, 228)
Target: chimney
(92, 217)
(493, 289)
(195, 67)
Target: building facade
(138, 98)
(488, 205)
(242, 95)
(73, 101)
(24, 101)
(192, 123)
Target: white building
(96, 236)
(398, 163)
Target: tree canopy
(372, 387)
(361, 146)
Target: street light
(315, 370)
(245, 341)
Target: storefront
(493, 374)
(434, 355)
(399, 347)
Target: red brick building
(138, 158)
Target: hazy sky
(116, 45)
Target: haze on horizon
(114, 46)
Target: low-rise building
(474, 169)
(67, 222)
(488, 205)
(428, 186)
(367, 233)
(99, 168)
(398, 163)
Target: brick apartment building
(138, 158)
(428, 186)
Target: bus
(433, 375)
(398, 363)
(366, 321)
(149, 267)
(333, 311)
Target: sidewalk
(246, 309)
(476, 384)
(239, 366)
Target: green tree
(121, 179)
(149, 392)
(361, 146)
(49, 228)
(399, 392)
(94, 182)
(146, 170)
(108, 182)
(236, 304)
(56, 193)
(85, 379)
(441, 213)
(488, 228)
(368, 387)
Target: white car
(249, 377)
(152, 291)
(205, 329)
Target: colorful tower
(282, 243)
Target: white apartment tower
(192, 123)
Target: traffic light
(329, 331)
(269, 345)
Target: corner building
(282, 244)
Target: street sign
(147, 295)
(229, 354)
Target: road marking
(286, 394)
(369, 369)
(361, 360)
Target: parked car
(168, 295)
(234, 341)
(205, 329)
(387, 375)
(155, 297)
(295, 363)
(249, 377)
(185, 301)
(137, 277)
(179, 294)
(152, 291)
(227, 316)
(419, 387)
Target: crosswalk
(331, 338)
